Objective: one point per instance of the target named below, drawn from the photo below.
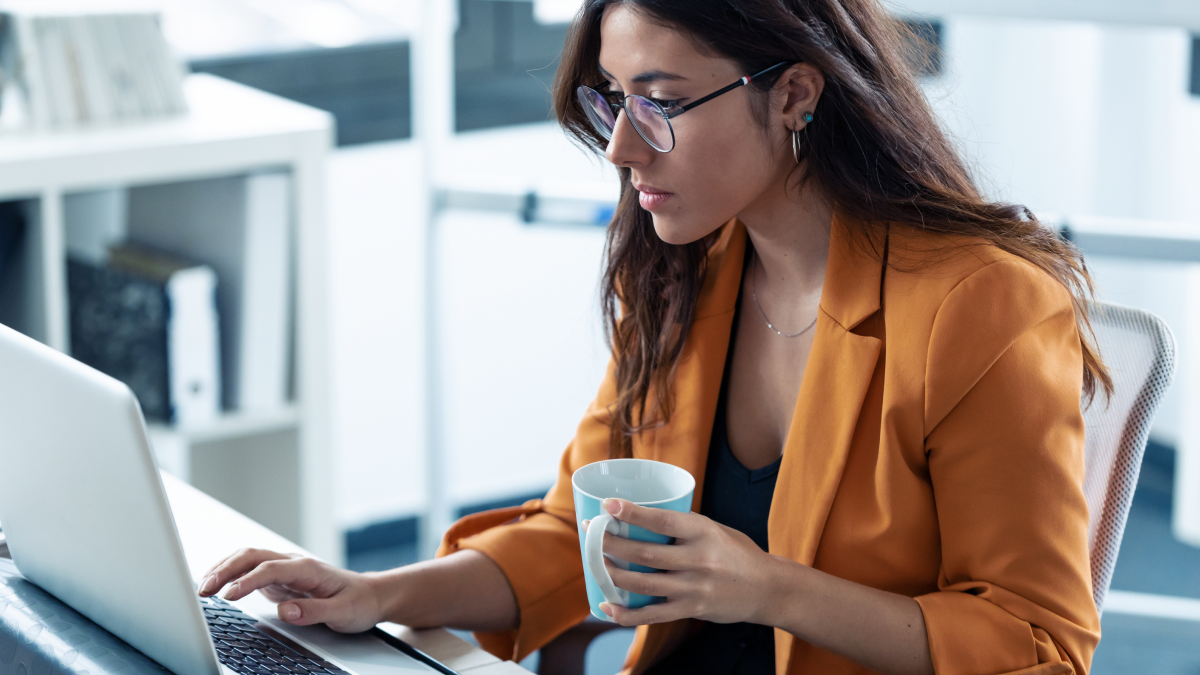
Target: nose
(626, 148)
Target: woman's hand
(713, 572)
(308, 591)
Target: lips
(650, 197)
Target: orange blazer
(936, 450)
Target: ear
(798, 89)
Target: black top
(741, 499)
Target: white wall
(522, 349)
(375, 273)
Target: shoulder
(957, 305)
(964, 284)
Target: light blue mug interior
(641, 481)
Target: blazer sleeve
(537, 544)
(1005, 454)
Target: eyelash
(667, 104)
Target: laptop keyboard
(245, 649)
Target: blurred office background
(1076, 119)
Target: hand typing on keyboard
(243, 647)
(465, 589)
(308, 591)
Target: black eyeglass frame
(668, 116)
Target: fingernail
(606, 608)
(612, 506)
(233, 588)
(209, 582)
(289, 612)
(586, 523)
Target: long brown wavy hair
(875, 149)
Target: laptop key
(244, 648)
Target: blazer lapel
(836, 378)
(697, 382)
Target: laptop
(87, 519)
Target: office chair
(1139, 350)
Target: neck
(790, 233)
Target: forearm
(464, 590)
(880, 630)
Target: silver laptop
(87, 519)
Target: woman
(873, 373)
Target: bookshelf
(273, 465)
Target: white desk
(210, 531)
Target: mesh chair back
(1139, 351)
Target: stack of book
(66, 70)
(149, 319)
(183, 291)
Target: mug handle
(593, 544)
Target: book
(22, 60)
(149, 319)
(262, 362)
(242, 227)
(85, 67)
(168, 69)
(134, 37)
(98, 99)
(117, 73)
(49, 45)
(12, 232)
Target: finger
(334, 612)
(658, 556)
(645, 583)
(220, 562)
(660, 613)
(662, 521)
(300, 574)
(234, 567)
(278, 594)
(211, 573)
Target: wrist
(389, 590)
(781, 591)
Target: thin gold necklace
(754, 294)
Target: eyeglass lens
(645, 115)
(648, 119)
(598, 110)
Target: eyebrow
(646, 77)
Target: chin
(672, 229)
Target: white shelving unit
(274, 466)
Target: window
(1195, 83)
(923, 42)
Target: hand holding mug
(710, 572)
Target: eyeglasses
(650, 118)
